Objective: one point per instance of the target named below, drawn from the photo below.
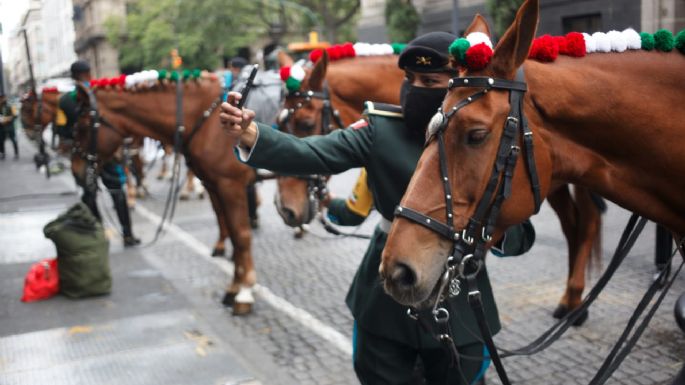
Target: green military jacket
(389, 151)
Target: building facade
(557, 17)
(91, 40)
(50, 36)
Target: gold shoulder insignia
(384, 109)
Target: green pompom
(680, 41)
(663, 40)
(292, 84)
(647, 41)
(186, 74)
(162, 75)
(196, 73)
(458, 49)
(397, 48)
(174, 76)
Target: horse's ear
(479, 24)
(319, 73)
(284, 60)
(512, 50)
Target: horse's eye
(477, 136)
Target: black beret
(427, 53)
(79, 67)
(238, 62)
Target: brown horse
(225, 178)
(610, 122)
(352, 81)
(47, 108)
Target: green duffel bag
(82, 253)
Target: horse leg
(164, 172)
(139, 172)
(130, 188)
(563, 204)
(188, 187)
(589, 247)
(252, 204)
(233, 196)
(217, 206)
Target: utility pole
(2, 68)
(455, 17)
(28, 57)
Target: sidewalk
(145, 332)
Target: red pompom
(334, 52)
(561, 43)
(544, 48)
(478, 56)
(121, 80)
(315, 55)
(285, 72)
(575, 44)
(104, 82)
(348, 49)
(94, 83)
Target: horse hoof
(184, 197)
(242, 308)
(254, 223)
(561, 311)
(229, 299)
(201, 196)
(218, 252)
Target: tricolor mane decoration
(293, 75)
(475, 51)
(145, 79)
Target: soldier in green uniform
(7, 117)
(388, 143)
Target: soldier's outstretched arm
(261, 146)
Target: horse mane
(152, 80)
(475, 50)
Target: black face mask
(419, 104)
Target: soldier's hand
(236, 122)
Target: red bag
(42, 281)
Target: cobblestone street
(164, 324)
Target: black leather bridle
(466, 258)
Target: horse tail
(591, 206)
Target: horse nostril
(403, 275)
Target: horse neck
(351, 82)
(613, 123)
(152, 112)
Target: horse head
(470, 126)
(302, 115)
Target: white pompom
(154, 76)
(297, 72)
(477, 38)
(590, 45)
(618, 41)
(633, 38)
(602, 42)
(129, 81)
(361, 49)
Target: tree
(503, 13)
(402, 20)
(202, 31)
(336, 17)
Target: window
(583, 23)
